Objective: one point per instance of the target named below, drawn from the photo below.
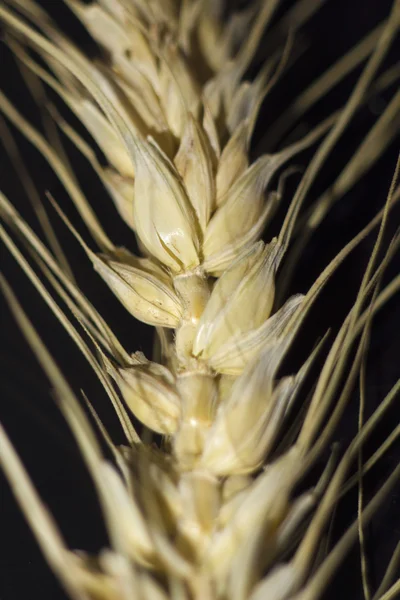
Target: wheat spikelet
(214, 511)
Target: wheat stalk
(214, 510)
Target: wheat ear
(212, 511)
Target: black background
(27, 409)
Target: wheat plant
(226, 482)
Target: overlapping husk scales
(212, 512)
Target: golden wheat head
(213, 511)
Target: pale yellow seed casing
(233, 444)
(241, 300)
(164, 218)
(144, 294)
(201, 497)
(239, 211)
(151, 396)
(178, 88)
(194, 164)
(233, 357)
(244, 432)
(233, 162)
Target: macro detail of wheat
(206, 497)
